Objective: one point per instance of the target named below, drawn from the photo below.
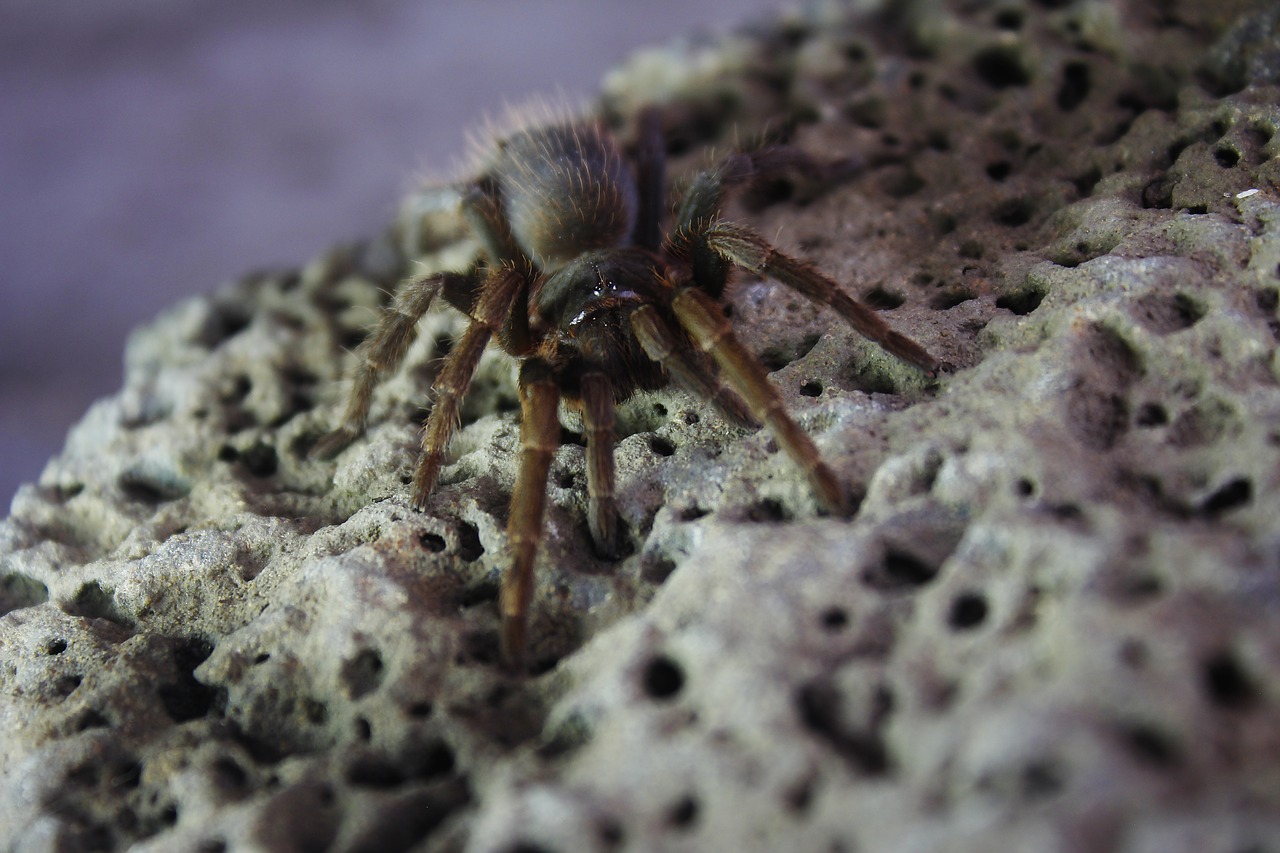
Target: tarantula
(577, 282)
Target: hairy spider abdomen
(566, 189)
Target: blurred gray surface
(149, 151)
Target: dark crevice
(662, 679)
(1227, 685)
(185, 698)
(769, 511)
(883, 299)
(1001, 67)
(18, 591)
(469, 546)
(1075, 86)
(1232, 495)
(433, 542)
(363, 673)
(1021, 302)
(899, 570)
(661, 446)
(968, 611)
(93, 601)
(1151, 745)
(820, 706)
(683, 814)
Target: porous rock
(1050, 625)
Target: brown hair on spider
(576, 280)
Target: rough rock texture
(1050, 626)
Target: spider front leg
(711, 245)
(662, 345)
(702, 318)
(500, 291)
(539, 437)
(598, 421)
(384, 349)
(745, 248)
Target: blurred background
(150, 150)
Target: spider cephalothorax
(576, 281)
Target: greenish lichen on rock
(1050, 625)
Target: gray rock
(1049, 626)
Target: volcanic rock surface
(1051, 625)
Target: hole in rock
(260, 460)
(432, 542)
(363, 673)
(93, 601)
(1014, 212)
(371, 770)
(1151, 746)
(999, 170)
(228, 775)
(1009, 19)
(92, 719)
(684, 813)
(1001, 67)
(661, 446)
(185, 698)
(1020, 302)
(692, 513)
(18, 591)
(469, 547)
(1226, 683)
(834, 619)
(657, 570)
(820, 707)
(882, 299)
(1232, 495)
(968, 610)
(1151, 415)
(483, 592)
(768, 511)
(662, 678)
(899, 570)
(1075, 86)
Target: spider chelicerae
(576, 280)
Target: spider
(576, 280)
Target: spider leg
(650, 160)
(384, 349)
(700, 204)
(483, 214)
(693, 374)
(539, 437)
(747, 249)
(500, 290)
(598, 421)
(699, 314)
